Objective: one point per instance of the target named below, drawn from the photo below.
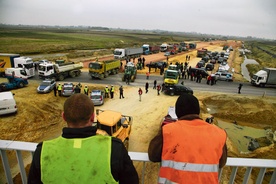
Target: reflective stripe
(190, 166)
(165, 181)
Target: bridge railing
(17, 148)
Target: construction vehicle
(15, 61)
(101, 69)
(148, 49)
(130, 72)
(266, 76)
(127, 53)
(15, 79)
(112, 123)
(59, 71)
(201, 52)
(171, 77)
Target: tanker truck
(127, 53)
(266, 76)
(59, 71)
(101, 69)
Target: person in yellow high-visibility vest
(59, 89)
(86, 90)
(106, 92)
(112, 89)
(80, 155)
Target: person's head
(78, 111)
(186, 104)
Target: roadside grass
(264, 53)
(39, 41)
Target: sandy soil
(39, 115)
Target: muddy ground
(39, 115)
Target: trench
(239, 135)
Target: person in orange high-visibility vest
(190, 150)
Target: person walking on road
(154, 84)
(80, 155)
(121, 89)
(190, 150)
(158, 89)
(140, 92)
(239, 88)
(147, 87)
(147, 74)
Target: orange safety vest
(191, 152)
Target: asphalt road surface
(140, 81)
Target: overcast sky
(233, 17)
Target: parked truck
(201, 52)
(130, 72)
(127, 53)
(101, 69)
(266, 76)
(15, 79)
(148, 49)
(59, 71)
(15, 61)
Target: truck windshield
(29, 65)
(95, 66)
(171, 75)
(41, 68)
(23, 72)
(116, 52)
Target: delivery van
(7, 103)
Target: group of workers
(193, 153)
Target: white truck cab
(7, 103)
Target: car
(209, 67)
(67, 89)
(202, 71)
(167, 54)
(157, 64)
(177, 89)
(224, 76)
(46, 86)
(200, 64)
(97, 97)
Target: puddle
(240, 135)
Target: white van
(7, 103)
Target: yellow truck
(171, 77)
(7, 61)
(113, 123)
(101, 69)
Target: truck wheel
(72, 74)
(21, 85)
(78, 73)
(101, 76)
(61, 77)
(105, 74)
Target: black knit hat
(186, 104)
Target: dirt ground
(39, 115)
